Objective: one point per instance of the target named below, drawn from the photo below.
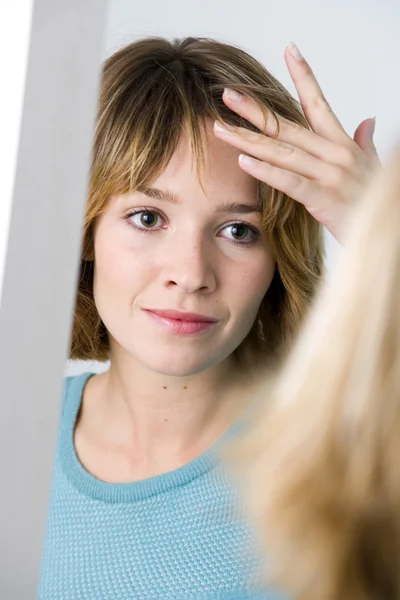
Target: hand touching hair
(322, 459)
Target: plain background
(50, 56)
(15, 25)
(353, 47)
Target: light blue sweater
(177, 536)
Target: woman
(322, 463)
(197, 268)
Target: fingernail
(220, 127)
(246, 161)
(233, 94)
(373, 124)
(295, 52)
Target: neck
(165, 421)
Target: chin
(176, 363)
(178, 368)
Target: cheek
(254, 283)
(120, 265)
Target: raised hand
(323, 168)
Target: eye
(240, 233)
(145, 219)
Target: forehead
(221, 173)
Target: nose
(189, 266)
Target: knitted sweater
(177, 536)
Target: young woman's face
(175, 248)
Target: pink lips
(181, 322)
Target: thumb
(363, 137)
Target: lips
(182, 316)
(181, 323)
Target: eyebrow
(224, 207)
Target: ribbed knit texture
(180, 535)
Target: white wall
(15, 26)
(353, 47)
(50, 55)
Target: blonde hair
(321, 461)
(151, 91)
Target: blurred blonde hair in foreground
(321, 462)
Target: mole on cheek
(185, 388)
(165, 387)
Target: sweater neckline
(89, 485)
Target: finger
(363, 137)
(289, 132)
(306, 192)
(294, 185)
(316, 108)
(280, 154)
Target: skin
(179, 390)
(185, 392)
(322, 168)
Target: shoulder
(67, 383)
(73, 387)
